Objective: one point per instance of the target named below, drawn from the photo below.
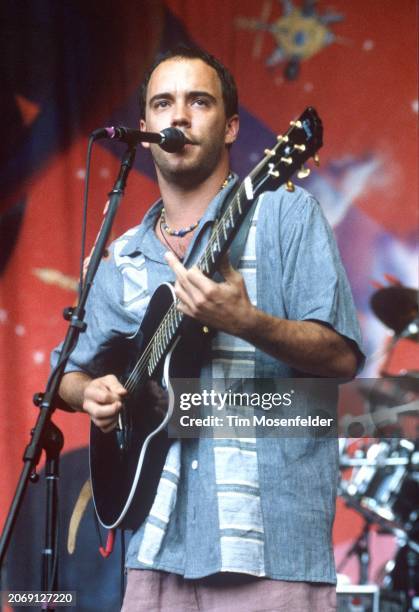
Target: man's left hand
(224, 306)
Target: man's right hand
(102, 400)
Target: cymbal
(390, 390)
(409, 381)
(384, 392)
(396, 307)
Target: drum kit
(380, 475)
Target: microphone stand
(45, 435)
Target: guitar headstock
(302, 141)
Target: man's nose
(181, 115)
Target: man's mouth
(188, 140)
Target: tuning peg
(300, 147)
(273, 172)
(290, 186)
(269, 152)
(296, 124)
(286, 160)
(281, 138)
(303, 172)
(316, 159)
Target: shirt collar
(144, 238)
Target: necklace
(180, 233)
(172, 232)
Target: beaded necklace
(180, 233)
(172, 232)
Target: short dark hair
(228, 84)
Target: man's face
(186, 94)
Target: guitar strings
(142, 363)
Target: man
(236, 524)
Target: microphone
(170, 139)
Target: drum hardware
(349, 462)
(402, 574)
(411, 331)
(384, 489)
(360, 548)
(384, 484)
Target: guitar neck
(225, 231)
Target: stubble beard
(188, 175)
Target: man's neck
(184, 206)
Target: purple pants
(154, 591)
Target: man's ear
(232, 129)
(143, 128)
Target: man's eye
(161, 104)
(201, 102)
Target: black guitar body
(126, 464)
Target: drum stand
(361, 549)
(404, 574)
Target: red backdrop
(76, 68)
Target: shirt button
(194, 464)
